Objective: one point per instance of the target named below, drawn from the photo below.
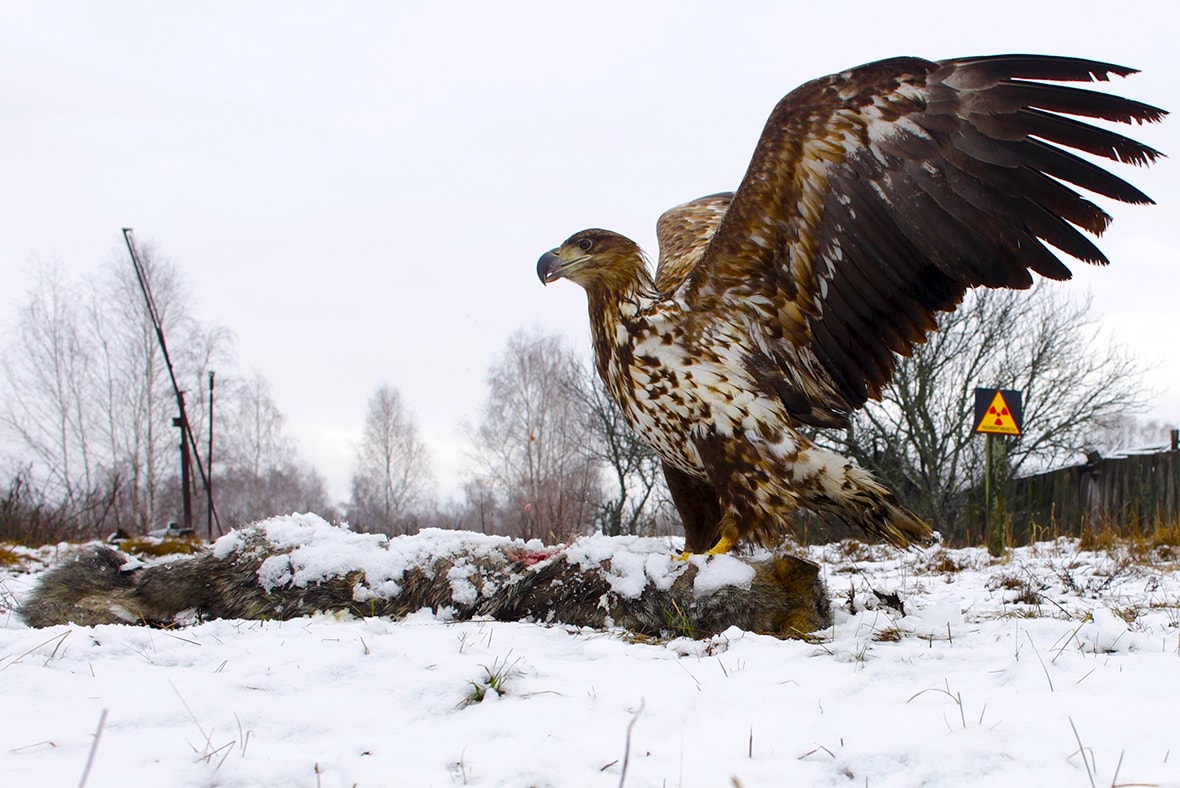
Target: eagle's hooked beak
(552, 266)
(546, 264)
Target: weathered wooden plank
(1131, 493)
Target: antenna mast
(188, 443)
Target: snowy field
(1053, 667)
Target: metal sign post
(997, 412)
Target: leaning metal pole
(189, 442)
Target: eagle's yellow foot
(723, 546)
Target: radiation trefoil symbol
(998, 411)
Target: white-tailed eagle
(875, 198)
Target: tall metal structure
(188, 443)
(209, 510)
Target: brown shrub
(1152, 543)
(8, 556)
(153, 547)
(944, 561)
(887, 635)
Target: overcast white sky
(360, 191)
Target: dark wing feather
(878, 196)
(683, 233)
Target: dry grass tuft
(1160, 539)
(1148, 544)
(944, 561)
(150, 546)
(1026, 594)
(1164, 541)
(854, 550)
(10, 557)
(1101, 538)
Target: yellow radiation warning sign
(998, 411)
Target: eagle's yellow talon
(723, 546)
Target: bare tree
(919, 438)
(391, 478)
(45, 368)
(131, 388)
(259, 472)
(531, 444)
(86, 395)
(254, 438)
(244, 497)
(638, 500)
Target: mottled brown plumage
(875, 198)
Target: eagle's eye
(585, 244)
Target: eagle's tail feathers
(894, 523)
(864, 502)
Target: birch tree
(87, 404)
(531, 445)
(635, 499)
(391, 477)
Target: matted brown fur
(786, 597)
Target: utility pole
(188, 443)
(209, 481)
(186, 485)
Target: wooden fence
(1130, 493)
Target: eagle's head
(596, 260)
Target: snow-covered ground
(1053, 667)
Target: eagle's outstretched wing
(877, 196)
(683, 233)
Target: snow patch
(1105, 634)
(227, 545)
(947, 611)
(720, 571)
(313, 550)
(463, 590)
(131, 564)
(281, 699)
(631, 562)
